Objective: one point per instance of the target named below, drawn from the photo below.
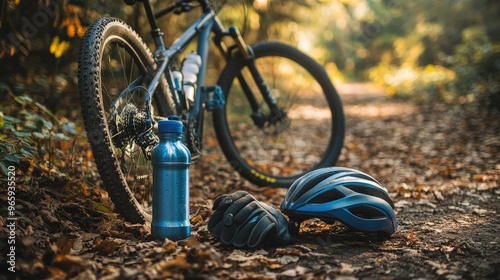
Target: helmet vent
(330, 195)
(371, 191)
(311, 184)
(367, 212)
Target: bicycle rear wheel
(310, 136)
(114, 70)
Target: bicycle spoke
(124, 65)
(122, 85)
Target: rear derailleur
(132, 124)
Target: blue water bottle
(171, 160)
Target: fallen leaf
(289, 273)
(286, 259)
(346, 269)
(64, 245)
(105, 247)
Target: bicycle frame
(201, 29)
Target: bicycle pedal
(214, 98)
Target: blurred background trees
(445, 51)
(432, 51)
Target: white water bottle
(190, 69)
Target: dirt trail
(440, 165)
(442, 169)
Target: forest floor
(441, 166)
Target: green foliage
(35, 140)
(444, 51)
(39, 43)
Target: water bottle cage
(214, 98)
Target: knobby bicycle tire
(237, 144)
(95, 96)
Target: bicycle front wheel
(115, 68)
(309, 136)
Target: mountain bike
(275, 111)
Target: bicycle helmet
(347, 195)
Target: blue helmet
(350, 196)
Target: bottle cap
(170, 126)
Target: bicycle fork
(259, 118)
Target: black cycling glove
(242, 221)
